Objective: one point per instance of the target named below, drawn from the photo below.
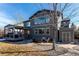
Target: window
(28, 32)
(27, 24)
(10, 31)
(65, 23)
(36, 31)
(42, 31)
(16, 36)
(41, 20)
(47, 31)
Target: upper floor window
(27, 24)
(65, 24)
(41, 20)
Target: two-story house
(13, 33)
(42, 25)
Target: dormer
(65, 23)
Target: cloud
(4, 20)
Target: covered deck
(12, 32)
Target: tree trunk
(53, 44)
(55, 26)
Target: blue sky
(11, 12)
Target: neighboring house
(12, 32)
(66, 33)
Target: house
(43, 26)
(66, 33)
(13, 33)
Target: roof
(44, 10)
(13, 26)
(65, 20)
(9, 25)
(19, 27)
(26, 21)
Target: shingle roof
(48, 11)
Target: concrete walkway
(70, 48)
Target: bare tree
(19, 19)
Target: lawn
(32, 49)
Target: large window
(42, 31)
(27, 24)
(41, 20)
(47, 31)
(36, 31)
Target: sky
(11, 13)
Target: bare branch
(65, 6)
(55, 6)
(50, 6)
(73, 13)
(41, 6)
(60, 7)
(19, 19)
